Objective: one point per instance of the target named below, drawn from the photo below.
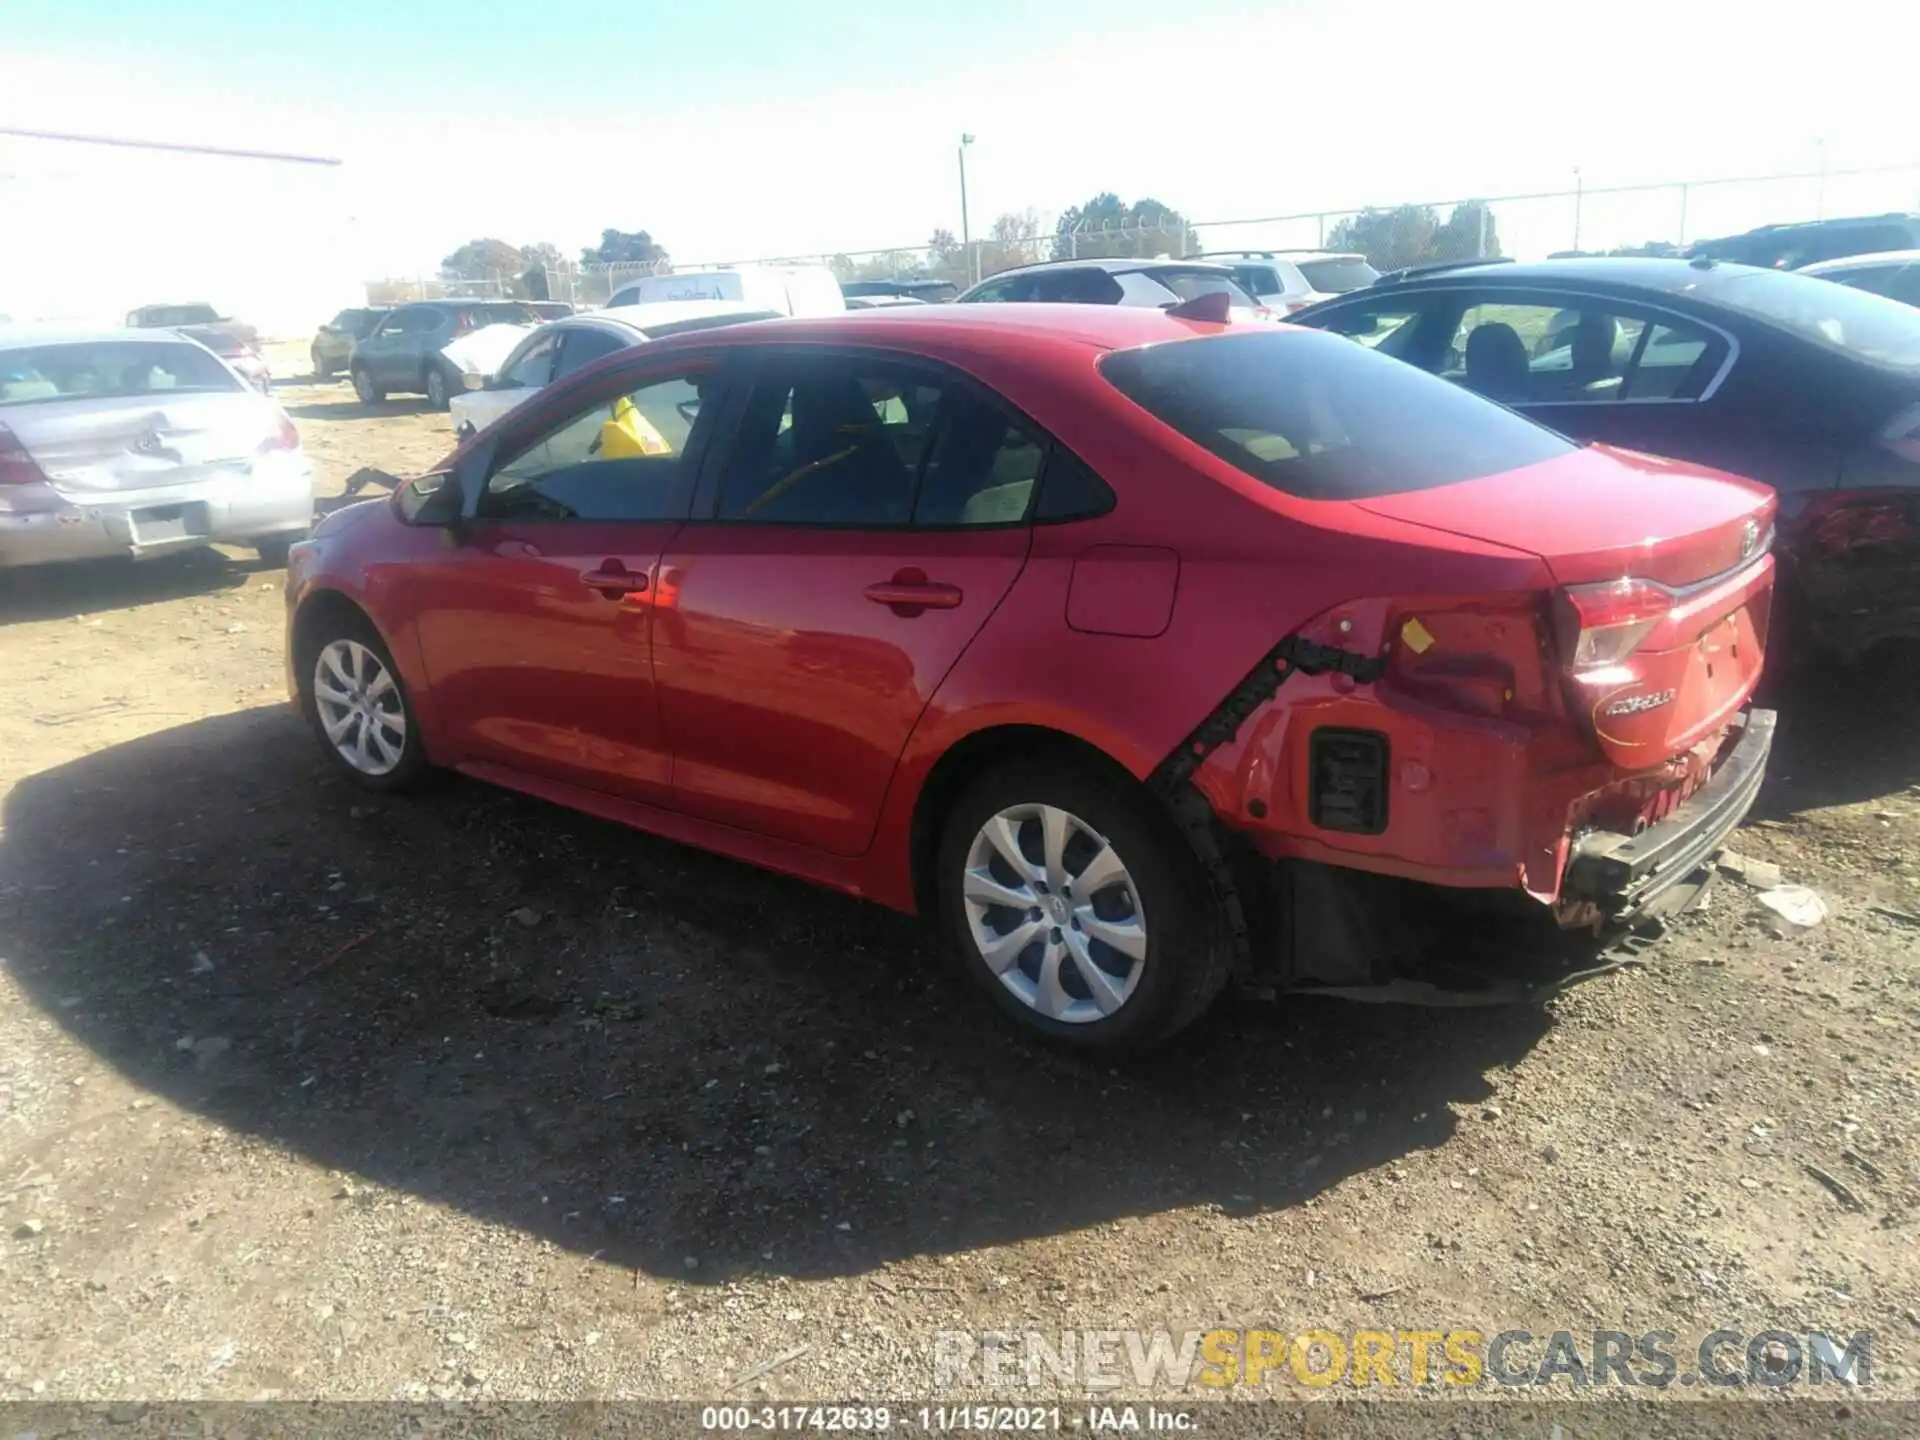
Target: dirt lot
(307, 1095)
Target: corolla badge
(1638, 704)
(1749, 539)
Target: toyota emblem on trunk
(1749, 538)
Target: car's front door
(537, 631)
(375, 354)
(864, 520)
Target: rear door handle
(910, 590)
(614, 580)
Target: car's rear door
(866, 518)
(537, 628)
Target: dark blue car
(1811, 387)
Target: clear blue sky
(733, 129)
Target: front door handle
(910, 592)
(614, 580)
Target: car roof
(1861, 262)
(638, 318)
(1112, 264)
(1635, 272)
(934, 328)
(1308, 254)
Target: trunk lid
(92, 449)
(1599, 513)
(1665, 585)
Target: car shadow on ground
(636, 1049)
(96, 587)
(1846, 734)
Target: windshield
(168, 316)
(1312, 415)
(1337, 277)
(1190, 284)
(1853, 322)
(110, 369)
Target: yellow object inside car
(627, 433)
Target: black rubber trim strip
(1172, 776)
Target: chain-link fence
(1617, 219)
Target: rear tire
(363, 386)
(273, 549)
(354, 698)
(322, 367)
(1112, 941)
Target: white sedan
(137, 442)
(560, 347)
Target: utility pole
(1820, 200)
(1576, 207)
(966, 233)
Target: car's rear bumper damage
(1628, 875)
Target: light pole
(1820, 201)
(1577, 197)
(966, 234)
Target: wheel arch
(316, 609)
(973, 755)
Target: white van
(789, 289)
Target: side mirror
(429, 500)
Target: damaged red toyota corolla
(1141, 651)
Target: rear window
(111, 369)
(1337, 277)
(1868, 327)
(1190, 284)
(165, 317)
(1312, 415)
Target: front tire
(439, 392)
(322, 367)
(358, 705)
(1079, 909)
(363, 386)
(274, 549)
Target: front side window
(1338, 276)
(1311, 415)
(1075, 287)
(1190, 283)
(532, 367)
(1013, 287)
(580, 348)
(620, 460)
(1570, 350)
(1258, 280)
(838, 441)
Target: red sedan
(1142, 650)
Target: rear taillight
(17, 465)
(284, 437)
(462, 324)
(1601, 625)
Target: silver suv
(1289, 280)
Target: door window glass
(837, 441)
(533, 367)
(623, 459)
(1572, 352)
(583, 347)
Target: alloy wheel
(1054, 914)
(360, 707)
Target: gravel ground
(308, 1095)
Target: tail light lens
(284, 437)
(463, 322)
(17, 465)
(1601, 625)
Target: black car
(403, 352)
(1111, 280)
(1811, 387)
(1788, 247)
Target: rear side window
(1337, 277)
(116, 369)
(1190, 284)
(1866, 327)
(1314, 416)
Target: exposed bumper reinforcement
(1625, 873)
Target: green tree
(483, 260)
(1416, 235)
(1107, 225)
(947, 258)
(618, 247)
